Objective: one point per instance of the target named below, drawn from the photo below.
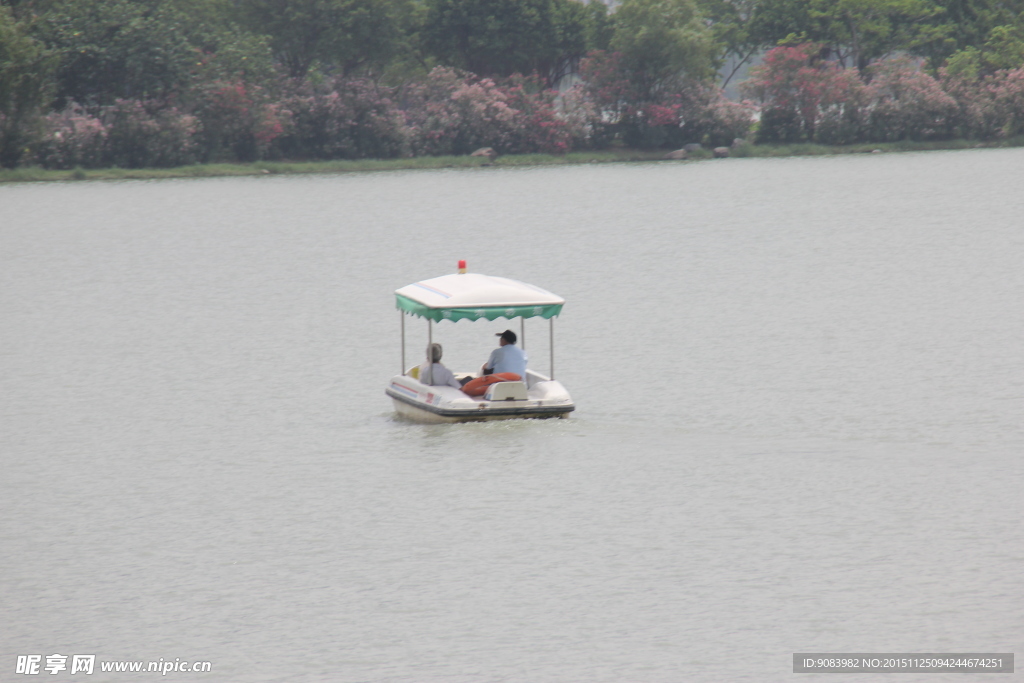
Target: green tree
(974, 26)
(345, 35)
(776, 22)
(225, 50)
(113, 49)
(1004, 49)
(599, 28)
(662, 41)
(498, 38)
(862, 31)
(854, 32)
(731, 24)
(26, 82)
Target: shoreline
(615, 155)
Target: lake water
(799, 389)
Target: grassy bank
(811, 149)
(33, 174)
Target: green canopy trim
(485, 312)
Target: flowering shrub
(606, 86)
(804, 99)
(650, 126)
(688, 111)
(582, 119)
(843, 107)
(908, 104)
(707, 116)
(345, 119)
(975, 115)
(623, 110)
(454, 113)
(128, 133)
(71, 138)
(1008, 94)
(987, 107)
(791, 88)
(238, 121)
(538, 125)
(141, 134)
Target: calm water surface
(800, 390)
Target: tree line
(167, 82)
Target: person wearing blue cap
(507, 357)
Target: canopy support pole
(522, 333)
(551, 344)
(401, 315)
(430, 354)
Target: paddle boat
(472, 296)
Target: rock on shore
(485, 152)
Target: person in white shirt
(433, 373)
(507, 357)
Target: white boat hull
(423, 403)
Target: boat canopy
(474, 296)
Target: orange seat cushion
(478, 386)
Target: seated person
(507, 357)
(433, 373)
(507, 363)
